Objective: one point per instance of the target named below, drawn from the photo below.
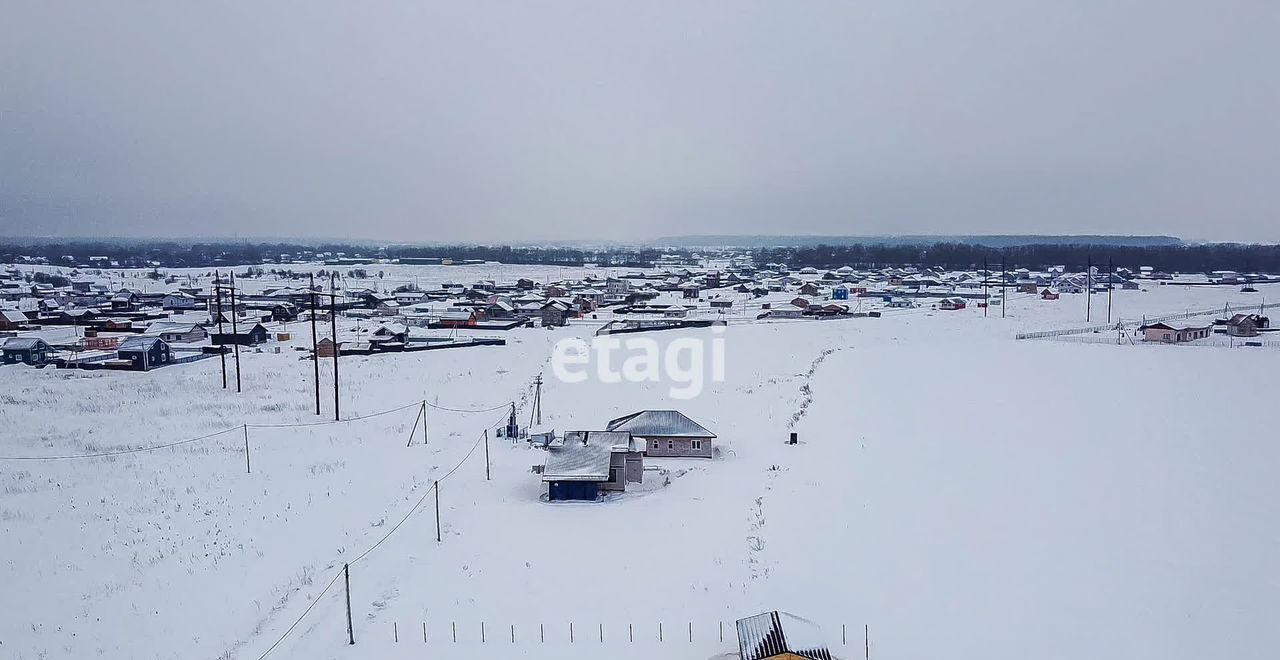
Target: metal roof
(577, 462)
(141, 343)
(774, 633)
(660, 423)
(614, 440)
(171, 326)
(21, 343)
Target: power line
(471, 410)
(434, 488)
(415, 404)
(117, 452)
(305, 612)
(176, 443)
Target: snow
(960, 493)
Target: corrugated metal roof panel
(660, 423)
(576, 462)
(773, 633)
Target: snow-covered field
(959, 493)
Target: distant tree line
(1169, 258)
(148, 254)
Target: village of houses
(828, 371)
(141, 321)
(129, 321)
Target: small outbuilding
(1247, 325)
(588, 464)
(325, 348)
(12, 319)
(575, 471)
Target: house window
(671, 444)
(695, 445)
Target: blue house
(26, 350)
(841, 292)
(143, 353)
(248, 335)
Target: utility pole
(1088, 291)
(235, 343)
(1111, 285)
(486, 455)
(1004, 287)
(346, 577)
(535, 415)
(222, 350)
(333, 327)
(437, 511)
(315, 351)
(986, 301)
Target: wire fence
(1136, 340)
(1226, 310)
(674, 631)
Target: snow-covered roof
(21, 343)
(161, 327)
(391, 329)
(660, 423)
(142, 343)
(577, 462)
(614, 440)
(774, 633)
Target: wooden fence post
(346, 577)
(437, 487)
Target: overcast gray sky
(486, 121)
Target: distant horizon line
(653, 241)
(684, 241)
